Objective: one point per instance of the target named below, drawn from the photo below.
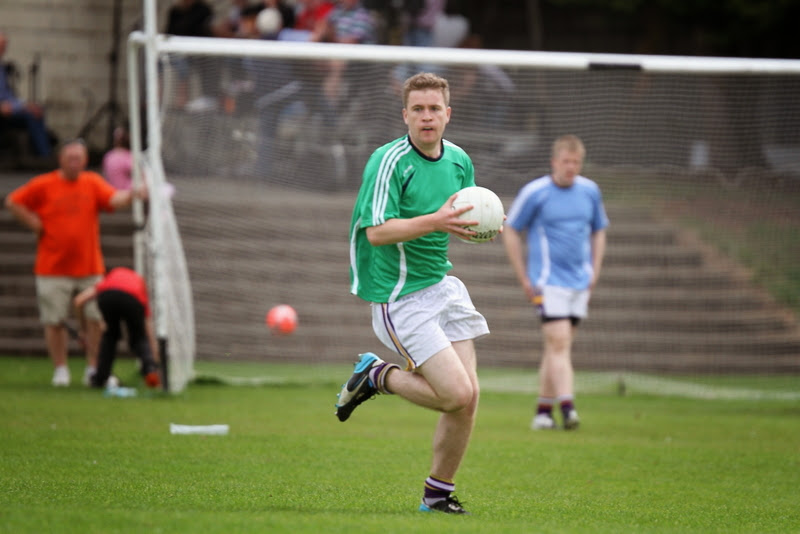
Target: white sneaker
(542, 421)
(112, 382)
(571, 422)
(61, 376)
(87, 376)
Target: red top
(309, 17)
(69, 244)
(129, 281)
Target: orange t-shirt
(69, 244)
(129, 281)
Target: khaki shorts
(55, 293)
(420, 324)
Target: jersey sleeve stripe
(353, 260)
(385, 170)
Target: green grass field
(75, 461)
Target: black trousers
(120, 307)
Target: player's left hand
(449, 221)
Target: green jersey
(399, 182)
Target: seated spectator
(18, 113)
(488, 84)
(431, 23)
(287, 12)
(118, 162)
(269, 23)
(192, 18)
(231, 24)
(421, 20)
(311, 19)
(350, 23)
(237, 86)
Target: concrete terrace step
(750, 322)
(270, 286)
(591, 339)
(115, 250)
(19, 284)
(331, 258)
(110, 222)
(661, 303)
(632, 351)
(604, 297)
(16, 305)
(348, 312)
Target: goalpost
(698, 159)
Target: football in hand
(487, 209)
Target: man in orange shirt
(62, 209)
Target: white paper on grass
(219, 430)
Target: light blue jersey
(559, 222)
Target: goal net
(698, 160)
(163, 261)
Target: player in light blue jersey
(399, 235)
(565, 222)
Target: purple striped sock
(377, 376)
(545, 405)
(567, 403)
(437, 489)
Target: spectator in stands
(237, 85)
(62, 209)
(230, 25)
(279, 99)
(488, 84)
(310, 26)
(286, 11)
(18, 113)
(118, 162)
(122, 298)
(192, 18)
(450, 30)
(421, 21)
(565, 221)
(349, 23)
(312, 18)
(269, 23)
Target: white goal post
(687, 150)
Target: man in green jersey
(399, 236)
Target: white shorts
(564, 302)
(421, 324)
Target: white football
(487, 208)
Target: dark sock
(437, 489)
(567, 406)
(545, 406)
